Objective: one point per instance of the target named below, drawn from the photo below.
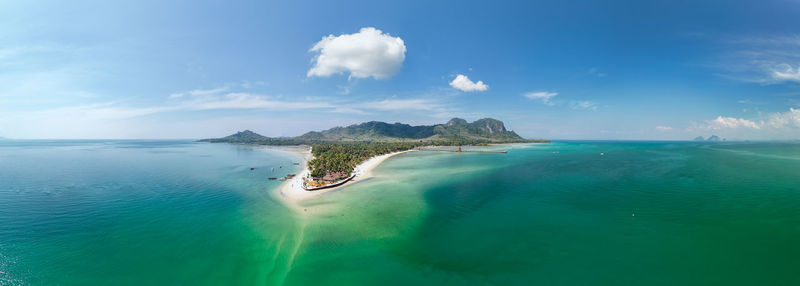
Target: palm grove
(340, 149)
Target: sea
(177, 212)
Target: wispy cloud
(765, 60)
(544, 96)
(219, 99)
(583, 104)
(786, 71)
(596, 72)
(241, 100)
(747, 101)
(400, 104)
(664, 128)
(200, 92)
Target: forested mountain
(243, 137)
(454, 132)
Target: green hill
(373, 130)
(483, 129)
(246, 136)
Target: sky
(644, 70)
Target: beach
(292, 191)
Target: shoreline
(292, 192)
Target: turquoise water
(140, 212)
(643, 213)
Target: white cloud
(368, 53)
(583, 104)
(400, 104)
(242, 100)
(463, 83)
(542, 95)
(784, 72)
(789, 119)
(776, 125)
(731, 122)
(349, 110)
(663, 128)
(597, 73)
(200, 92)
(108, 118)
(747, 101)
(767, 60)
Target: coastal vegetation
(341, 158)
(338, 150)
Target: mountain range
(455, 131)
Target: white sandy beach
(293, 192)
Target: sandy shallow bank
(292, 191)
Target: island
(712, 138)
(339, 154)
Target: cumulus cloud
(731, 122)
(773, 121)
(463, 83)
(542, 95)
(789, 119)
(368, 53)
(663, 128)
(775, 125)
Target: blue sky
(548, 69)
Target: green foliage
(371, 131)
(343, 157)
(246, 136)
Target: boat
(272, 178)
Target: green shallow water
(98, 213)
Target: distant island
(712, 138)
(339, 150)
